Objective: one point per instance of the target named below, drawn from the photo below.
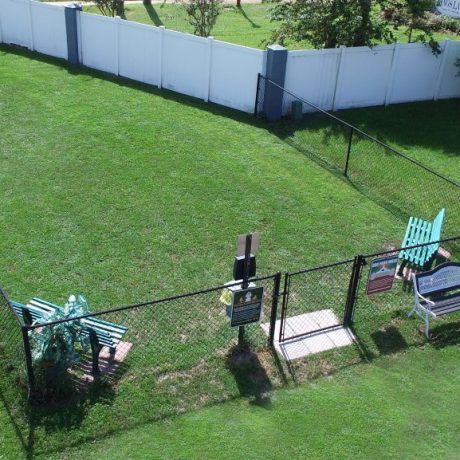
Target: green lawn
(399, 407)
(425, 131)
(126, 193)
(249, 25)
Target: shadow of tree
(240, 9)
(431, 118)
(153, 15)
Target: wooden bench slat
(423, 252)
(105, 327)
(425, 238)
(421, 232)
(108, 334)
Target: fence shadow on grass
(164, 93)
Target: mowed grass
(125, 193)
(248, 25)
(426, 131)
(399, 407)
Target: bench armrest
(428, 301)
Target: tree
(418, 18)
(111, 7)
(330, 23)
(202, 14)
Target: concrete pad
(107, 366)
(292, 350)
(301, 324)
(318, 342)
(341, 337)
(310, 342)
(327, 318)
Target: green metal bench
(420, 231)
(101, 333)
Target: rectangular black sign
(247, 306)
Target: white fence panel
(234, 71)
(139, 52)
(449, 85)
(186, 64)
(364, 76)
(312, 75)
(49, 32)
(416, 69)
(15, 22)
(99, 42)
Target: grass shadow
(153, 15)
(389, 341)
(250, 376)
(240, 9)
(431, 119)
(165, 94)
(445, 335)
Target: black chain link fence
(13, 380)
(177, 354)
(315, 299)
(316, 305)
(393, 180)
(12, 357)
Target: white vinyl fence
(227, 74)
(361, 77)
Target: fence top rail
(150, 303)
(445, 240)
(363, 133)
(368, 256)
(321, 267)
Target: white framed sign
(449, 8)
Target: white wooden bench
(437, 292)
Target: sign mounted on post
(381, 274)
(449, 8)
(241, 245)
(247, 306)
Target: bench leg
(427, 326)
(401, 268)
(95, 350)
(112, 354)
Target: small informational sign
(381, 274)
(449, 8)
(247, 306)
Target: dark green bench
(100, 333)
(421, 231)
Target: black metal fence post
(350, 139)
(274, 310)
(287, 280)
(353, 289)
(29, 367)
